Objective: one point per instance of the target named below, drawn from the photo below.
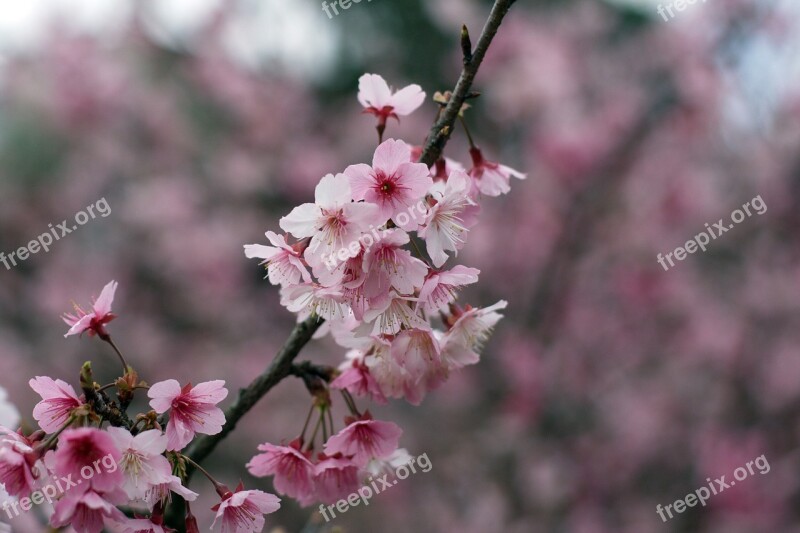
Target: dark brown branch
(443, 128)
(280, 368)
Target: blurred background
(611, 386)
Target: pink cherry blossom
(490, 178)
(95, 321)
(378, 99)
(58, 402)
(392, 314)
(333, 222)
(335, 478)
(365, 439)
(393, 183)
(284, 263)
(243, 511)
(357, 379)
(441, 288)
(162, 492)
(388, 265)
(85, 510)
(307, 298)
(193, 409)
(473, 326)
(293, 470)
(418, 352)
(449, 219)
(91, 448)
(142, 462)
(17, 462)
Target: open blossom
(449, 219)
(293, 470)
(357, 379)
(491, 179)
(333, 222)
(142, 461)
(92, 448)
(58, 402)
(335, 478)
(441, 288)
(243, 511)
(94, 322)
(378, 99)
(284, 263)
(86, 510)
(327, 302)
(388, 265)
(17, 462)
(365, 439)
(473, 326)
(194, 409)
(393, 183)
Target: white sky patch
(288, 34)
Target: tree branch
(282, 365)
(443, 128)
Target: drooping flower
(327, 302)
(58, 402)
(162, 492)
(418, 351)
(284, 262)
(17, 460)
(333, 222)
(194, 409)
(86, 510)
(83, 449)
(293, 470)
(95, 321)
(365, 439)
(335, 478)
(393, 183)
(490, 178)
(357, 379)
(449, 219)
(243, 511)
(142, 462)
(378, 99)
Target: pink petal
(162, 394)
(373, 91)
(103, 304)
(302, 221)
(332, 191)
(407, 100)
(390, 155)
(209, 392)
(361, 180)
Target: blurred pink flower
(365, 439)
(292, 469)
(85, 510)
(335, 478)
(88, 448)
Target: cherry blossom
(284, 263)
(192, 409)
(94, 322)
(293, 470)
(365, 439)
(58, 402)
(378, 99)
(243, 511)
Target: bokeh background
(611, 386)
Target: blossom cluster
(392, 306)
(352, 258)
(148, 467)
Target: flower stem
(125, 367)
